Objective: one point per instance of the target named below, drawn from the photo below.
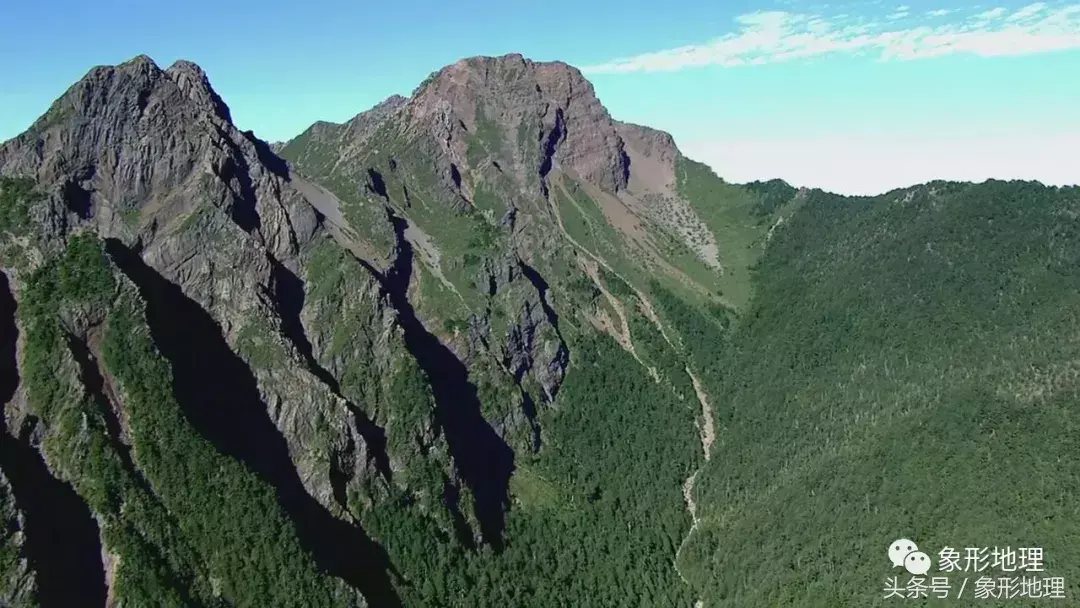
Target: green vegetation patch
(189, 474)
(174, 550)
(160, 565)
(16, 197)
(532, 491)
(729, 212)
(486, 141)
(599, 512)
(772, 194)
(905, 371)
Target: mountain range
(489, 346)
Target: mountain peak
(193, 82)
(124, 91)
(140, 61)
(508, 70)
(124, 136)
(480, 60)
(551, 101)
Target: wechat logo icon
(903, 552)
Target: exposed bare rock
(529, 343)
(652, 158)
(151, 159)
(363, 125)
(18, 584)
(550, 106)
(653, 190)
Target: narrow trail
(707, 428)
(573, 241)
(623, 336)
(647, 309)
(646, 305)
(329, 206)
(430, 258)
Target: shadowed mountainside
(61, 541)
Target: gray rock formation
(18, 583)
(150, 158)
(388, 300)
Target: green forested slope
(907, 369)
(597, 515)
(189, 526)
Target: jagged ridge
(391, 321)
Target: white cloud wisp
(778, 36)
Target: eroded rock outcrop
(203, 218)
(18, 584)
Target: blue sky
(852, 96)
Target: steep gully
(62, 539)
(708, 436)
(90, 374)
(87, 354)
(484, 460)
(289, 296)
(623, 337)
(219, 396)
(622, 333)
(542, 289)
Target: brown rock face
(549, 109)
(652, 158)
(524, 118)
(492, 134)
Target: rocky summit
(488, 346)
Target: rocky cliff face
(18, 586)
(478, 139)
(548, 107)
(150, 158)
(501, 143)
(652, 154)
(374, 328)
(206, 222)
(484, 346)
